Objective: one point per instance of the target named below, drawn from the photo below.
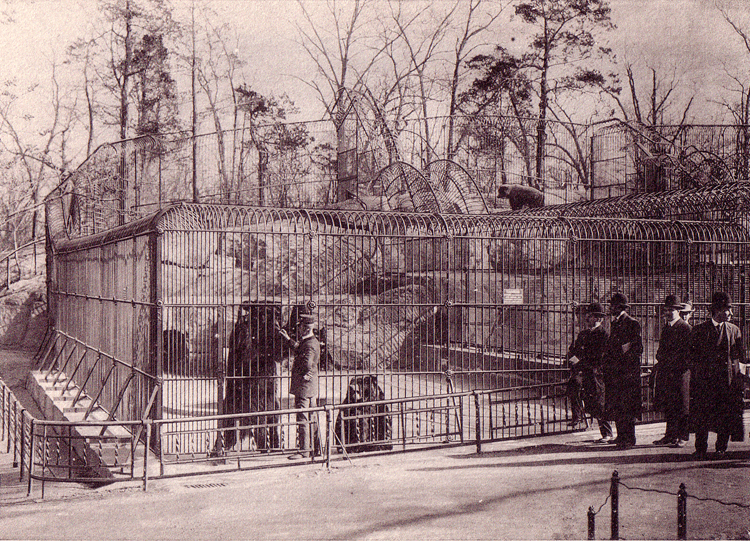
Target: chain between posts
(682, 496)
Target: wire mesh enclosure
(628, 158)
(414, 305)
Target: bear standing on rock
(521, 197)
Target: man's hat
(595, 309)
(670, 303)
(306, 318)
(720, 301)
(618, 299)
(687, 307)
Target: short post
(682, 512)
(145, 454)
(31, 456)
(592, 523)
(329, 434)
(615, 495)
(20, 461)
(478, 421)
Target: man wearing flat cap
(622, 371)
(671, 374)
(717, 378)
(586, 383)
(304, 382)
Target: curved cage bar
(727, 202)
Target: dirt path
(536, 488)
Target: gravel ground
(538, 488)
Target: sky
(689, 37)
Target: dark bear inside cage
(364, 427)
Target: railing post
(12, 436)
(615, 495)
(70, 451)
(145, 454)
(478, 426)
(682, 512)
(592, 523)
(44, 458)
(4, 411)
(160, 443)
(31, 457)
(329, 434)
(22, 446)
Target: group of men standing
(698, 379)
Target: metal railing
(91, 451)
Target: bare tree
(35, 162)
(340, 48)
(740, 109)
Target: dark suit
(716, 384)
(622, 376)
(586, 383)
(306, 360)
(672, 378)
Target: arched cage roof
(199, 217)
(716, 202)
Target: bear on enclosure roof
(521, 197)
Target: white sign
(513, 296)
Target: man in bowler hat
(586, 383)
(304, 382)
(717, 378)
(622, 371)
(671, 374)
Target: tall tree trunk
(125, 77)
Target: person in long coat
(622, 371)
(671, 374)
(717, 383)
(586, 384)
(304, 380)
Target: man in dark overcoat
(304, 381)
(717, 383)
(586, 384)
(622, 371)
(671, 374)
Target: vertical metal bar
(11, 435)
(460, 419)
(70, 451)
(4, 410)
(329, 434)
(156, 321)
(23, 444)
(615, 501)
(145, 454)
(31, 457)
(478, 421)
(591, 523)
(402, 416)
(44, 458)
(682, 512)
(161, 448)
